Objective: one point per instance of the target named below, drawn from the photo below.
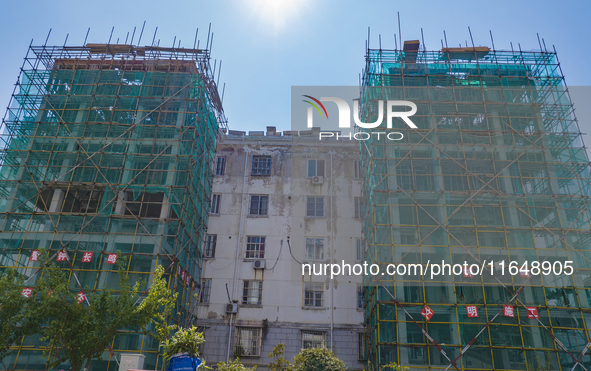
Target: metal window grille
(247, 341)
(215, 204)
(313, 339)
(205, 290)
(358, 207)
(360, 248)
(361, 346)
(255, 247)
(315, 248)
(357, 169)
(261, 165)
(313, 295)
(220, 166)
(210, 244)
(359, 296)
(315, 206)
(315, 168)
(252, 292)
(259, 205)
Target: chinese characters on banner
(524, 273)
(112, 258)
(467, 273)
(34, 256)
(472, 311)
(87, 257)
(532, 312)
(27, 291)
(62, 256)
(427, 313)
(508, 311)
(80, 297)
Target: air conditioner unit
(317, 180)
(232, 308)
(259, 264)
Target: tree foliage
(183, 341)
(78, 332)
(313, 359)
(234, 365)
(15, 318)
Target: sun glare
(276, 12)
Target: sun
(276, 12)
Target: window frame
(314, 242)
(361, 346)
(210, 239)
(360, 249)
(320, 343)
(261, 165)
(314, 288)
(315, 203)
(315, 171)
(260, 203)
(205, 291)
(257, 253)
(357, 170)
(360, 304)
(220, 169)
(252, 289)
(254, 336)
(358, 207)
(216, 200)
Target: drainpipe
(237, 254)
(331, 255)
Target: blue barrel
(184, 363)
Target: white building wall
(282, 314)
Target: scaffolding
(106, 149)
(496, 171)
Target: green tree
(317, 359)
(234, 365)
(15, 318)
(394, 366)
(79, 333)
(183, 341)
(279, 363)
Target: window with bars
(220, 166)
(357, 173)
(252, 293)
(210, 244)
(261, 165)
(259, 205)
(358, 207)
(315, 206)
(216, 199)
(247, 342)
(359, 296)
(315, 168)
(313, 339)
(205, 290)
(361, 346)
(313, 295)
(255, 247)
(315, 248)
(360, 248)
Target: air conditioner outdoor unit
(259, 264)
(317, 180)
(232, 308)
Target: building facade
(107, 149)
(279, 202)
(495, 172)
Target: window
(359, 296)
(360, 248)
(255, 247)
(313, 295)
(315, 206)
(145, 205)
(205, 290)
(220, 166)
(313, 339)
(210, 243)
(361, 346)
(261, 165)
(247, 342)
(315, 168)
(259, 205)
(358, 172)
(252, 292)
(315, 248)
(72, 201)
(358, 207)
(215, 204)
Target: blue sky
(269, 45)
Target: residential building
(283, 201)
